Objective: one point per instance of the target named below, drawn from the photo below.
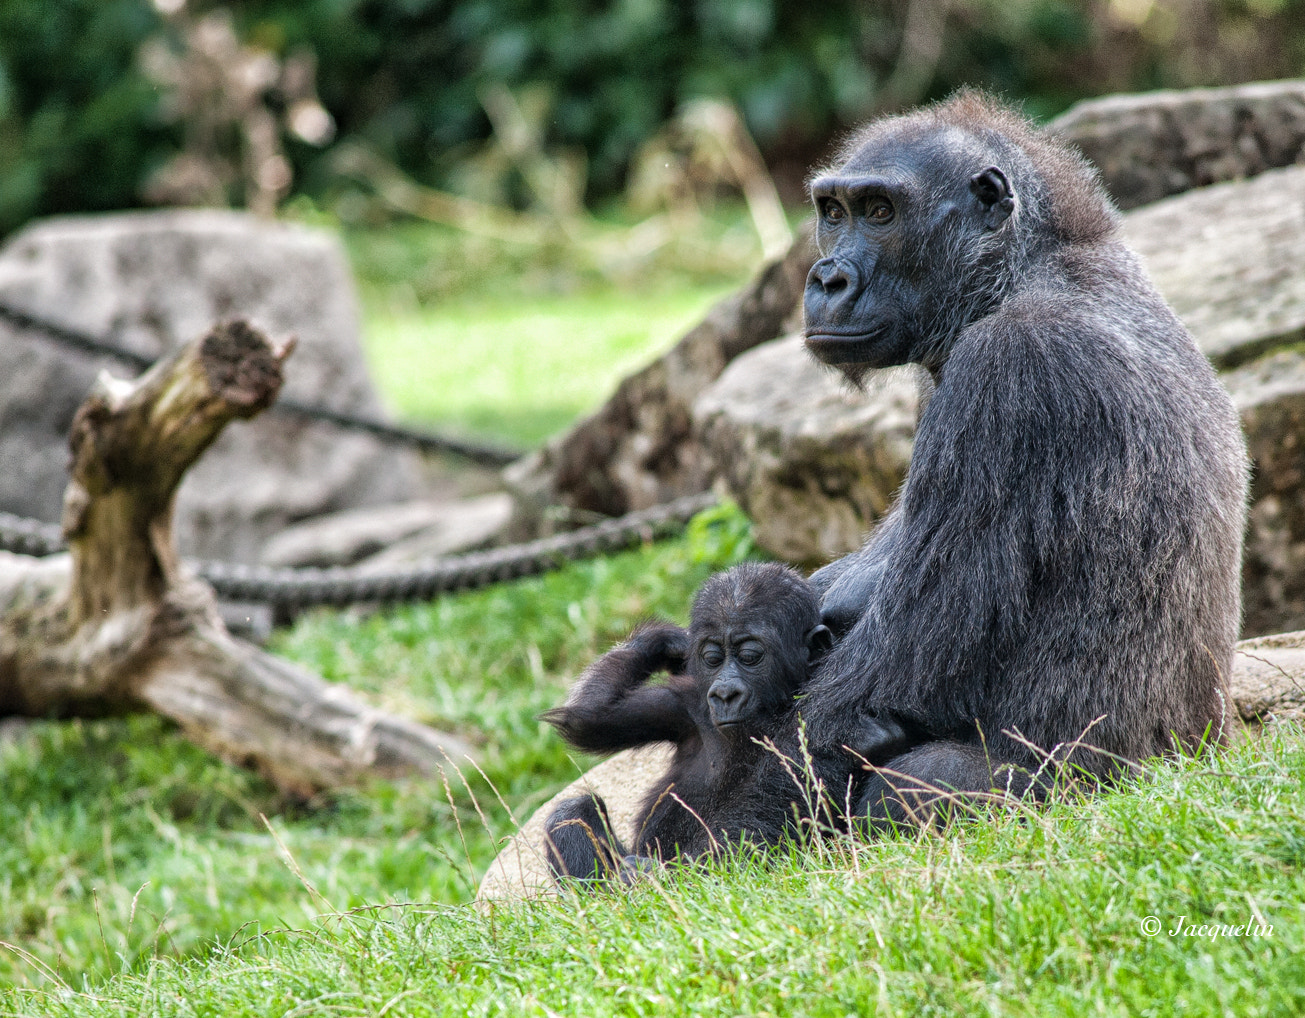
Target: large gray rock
(813, 461)
(153, 281)
(637, 450)
(1231, 260)
(1270, 395)
(1155, 144)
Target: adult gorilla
(1062, 563)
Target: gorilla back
(1062, 563)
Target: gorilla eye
(712, 655)
(880, 211)
(750, 654)
(831, 211)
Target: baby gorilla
(753, 637)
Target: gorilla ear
(994, 192)
(820, 641)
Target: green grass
(122, 842)
(477, 370)
(1017, 914)
(515, 343)
(139, 876)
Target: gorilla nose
(829, 275)
(727, 699)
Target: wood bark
(118, 624)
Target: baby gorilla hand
(661, 646)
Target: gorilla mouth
(842, 347)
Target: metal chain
(344, 585)
(486, 453)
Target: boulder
(1154, 144)
(812, 460)
(153, 281)
(1230, 258)
(1270, 395)
(637, 450)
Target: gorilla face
(901, 225)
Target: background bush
(80, 126)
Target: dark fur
(713, 710)
(1063, 560)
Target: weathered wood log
(118, 624)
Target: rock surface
(813, 461)
(1270, 395)
(1268, 684)
(391, 534)
(1155, 144)
(466, 525)
(637, 451)
(1231, 260)
(153, 281)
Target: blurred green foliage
(80, 127)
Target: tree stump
(118, 624)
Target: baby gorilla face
(745, 680)
(754, 636)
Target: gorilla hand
(879, 737)
(849, 595)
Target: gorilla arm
(848, 588)
(979, 510)
(848, 585)
(612, 707)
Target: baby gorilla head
(754, 633)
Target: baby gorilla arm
(613, 708)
